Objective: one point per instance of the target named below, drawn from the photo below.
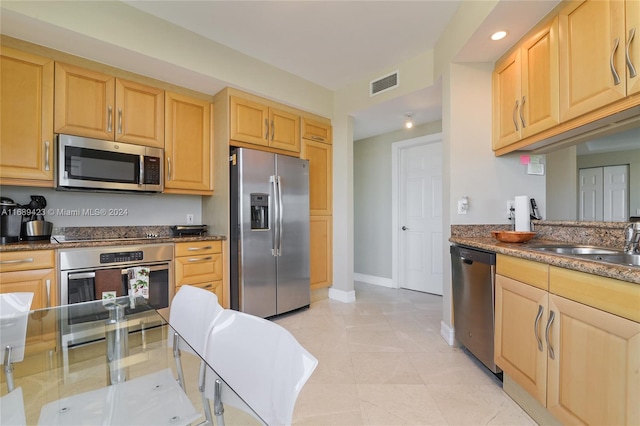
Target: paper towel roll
(523, 221)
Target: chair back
(262, 362)
(193, 312)
(14, 315)
(12, 409)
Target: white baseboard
(448, 334)
(371, 279)
(342, 296)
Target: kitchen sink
(618, 259)
(570, 249)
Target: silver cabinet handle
(616, 77)
(47, 167)
(273, 129)
(200, 248)
(552, 354)
(200, 259)
(47, 283)
(266, 126)
(632, 69)
(119, 121)
(535, 327)
(15, 261)
(109, 119)
(168, 168)
(524, 99)
(515, 119)
(318, 138)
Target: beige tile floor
(382, 362)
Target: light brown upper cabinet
(597, 54)
(525, 88)
(316, 131)
(187, 145)
(26, 114)
(261, 124)
(96, 105)
(320, 156)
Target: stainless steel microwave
(99, 165)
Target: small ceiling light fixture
(498, 35)
(408, 123)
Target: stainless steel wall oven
(79, 268)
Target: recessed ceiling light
(498, 35)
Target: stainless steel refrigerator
(269, 240)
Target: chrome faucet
(632, 238)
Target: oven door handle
(82, 275)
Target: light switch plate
(462, 207)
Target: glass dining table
(120, 369)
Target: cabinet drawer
(194, 269)
(610, 295)
(26, 260)
(198, 248)
(526, 271)
(214, 287)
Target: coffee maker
(10, 221)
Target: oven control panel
(125, 256)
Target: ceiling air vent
(385, 83)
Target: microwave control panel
(152, 170)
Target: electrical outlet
(462, 207)
(189, 219)
(511, 205)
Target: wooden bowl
(513, 236)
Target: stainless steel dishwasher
(473, 276)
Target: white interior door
(420, 254)
(616, 193)
(590, 207)
(604, 194)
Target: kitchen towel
(523, 221)
(108, 284)
(139, 282)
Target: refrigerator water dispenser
(259, 211)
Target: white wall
(129, 209)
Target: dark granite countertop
(524, 251)
(49, 245)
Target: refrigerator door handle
(280, 215)
(275, 216)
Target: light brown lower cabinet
(199, 263)
(321, 251)
(581, 363)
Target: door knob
(404, 228)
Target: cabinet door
(320, 156)
(633, 45)
(506, 101)
(592, 44)
(316, 131)
(284, 129)
(84, 102)
(187, 144)
(594, 374)
(540, 102)
(520, 350)
(42, 283)
(26, 114)
(139, 114)
(249, 121)
(321, 251)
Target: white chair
(12, 409)
(14, 315)
(193, 313)
(262, 362)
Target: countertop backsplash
(602, 234)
